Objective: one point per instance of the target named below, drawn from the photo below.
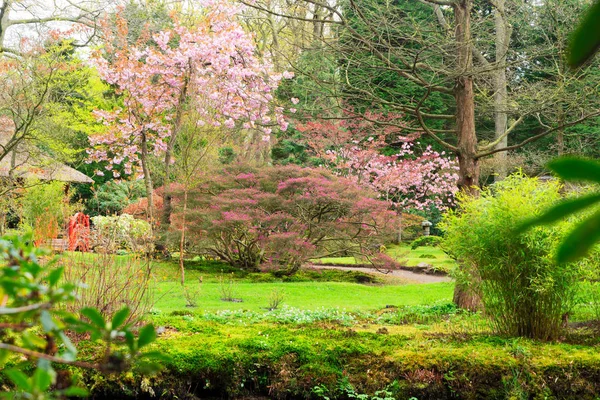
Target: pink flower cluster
(407, 179)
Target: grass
(403, 253)
(305, 295)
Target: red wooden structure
(79, 232)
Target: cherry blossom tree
(212, 62)
(407, 178)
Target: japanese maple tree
(277, 218)
(213, 63)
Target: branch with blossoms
(408, 179)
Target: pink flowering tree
(407, 178)
(278, 218)
(211, 66)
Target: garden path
(400, 273)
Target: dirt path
(409, 275)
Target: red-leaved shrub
(278, 218)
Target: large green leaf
(41, 379)
(580, 240)
(20, 380)
(561, 210)
(94, 316)
(146, 336)
(55, 275)
(576, 169)
(120, 317)
(586, 38)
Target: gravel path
(400, 273)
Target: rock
(424, 265)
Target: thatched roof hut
(27, 161)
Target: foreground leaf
(147, 335)
(120, 317)
(561, 210)
(576, 169)
(94, 316)
(19, 379)
(580, 240)
(586, 38)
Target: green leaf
(560, 211)
(94, 316)
(19, 379)
(47, 322)
(68, 344)
(41, 379)
(586, 38)
(147, 335)
(130, 340)
(580, 240)
(33, 341)
(576, 169)
(120, 317)
(54, 276)
(75, 391)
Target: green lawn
(304, 295)
(404, 254)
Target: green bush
(45, 209)
(523, 290)
(425, 241)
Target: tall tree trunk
(318, 24)
(465, 101)
(147, 179)
(465, 127)
(500, 88)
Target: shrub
(37, 329)
(523, 290)
(45, 209)
(278, 218)
(110, 282)
(121, 232)
(425, 241)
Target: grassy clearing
(411, 258)
(305, 295)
